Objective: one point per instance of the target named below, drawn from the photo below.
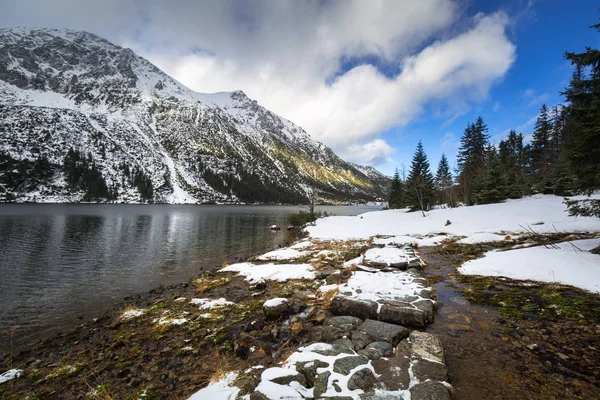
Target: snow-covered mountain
(84, 119)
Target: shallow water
(63, 263)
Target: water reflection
(58, 262)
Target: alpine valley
(82, 119)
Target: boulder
(393, 373)
(371, 354)
(385, 348)
(362, 379)
(345, 365)
(402, 316)
(404, 349)
(321, 384)
(287, 379)
(429, 390)
(381, 396)
(345, 322)
(334, 350)
(360, 339)
(426, 306)
(345, 342)
(384, 332)
(343, 305)
(426, 369)
(327, 334)
(309, 370)
(276, 308)
(426, 345)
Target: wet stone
(286, 380)
(429, 390)
(362, 379)
(344, 322)
(404, 349)
(393, 373)
(402, 316)
(341, 305)
(328, 334)
(360, 339)
(321, 384)
(345, 342)
(426, 345)
(385, 348)
(371, 354)
(309, 370)
(345, 365)
(380, 396)
(426, 306)
(334, 350)
(384, 332)
(425, 369)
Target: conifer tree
(420, 182)
(512, 157)
(494, 183)
(443, 182)
(396, 191)
(471, 159)
(542, 146)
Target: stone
(380, 396)
(404, 349)
(321, 384)
(393, 373)
(426, 306)
(383, 332)
(345, 365)
(242, 346)
(402, 316)
(360, 339)
(296, 328)
(342, 305)
(385, 348)
(345, 342)
(334, 350)
(371, 354)
(259, 356)
(429, 390)
(362, 379)
(309, 370)
(426, 369)
(334, 279)
(276, 308)
(287, 379)
(327, 334)
(296, 306)
(345, 322)
(258, 396)
(426, 345)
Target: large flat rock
(383, 331)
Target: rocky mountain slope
(82, 119)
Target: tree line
(562, 158)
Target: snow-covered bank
(543, 213)
(571, 264)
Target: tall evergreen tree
(471, 159)
(396, 191)
(443, 182)
(583, 112)
(493, 186)
(420, 182)
(512, 157)
(542, 146)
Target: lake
(62, 262)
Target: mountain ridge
(64, 90)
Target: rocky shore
(354, 319)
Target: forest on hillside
(562, 158)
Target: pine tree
(396, 191)
(494, 183)
(420, 182)
(542, 147)
(471, 159)
(583, 112)
(512, 157)
(443, 182)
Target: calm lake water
(61, 262)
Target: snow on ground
(207, 304)
(568, 264)
(10, 375)
(276, 302)
(511, 216)
(301, 245)
(282, 254)
(275, 272)
(133, 313)
(386, 256)
(219, 390)
(381, 286)
(484, 237)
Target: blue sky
(542, 33)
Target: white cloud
(450, 142)
(289, 55)
(375, 153)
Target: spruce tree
(512, 157)
(471, 159)
(396, 191)
(583, 112)
(494, 182)
(443, 182)
(542, 147)
(420, 182)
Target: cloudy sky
(368, 78)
